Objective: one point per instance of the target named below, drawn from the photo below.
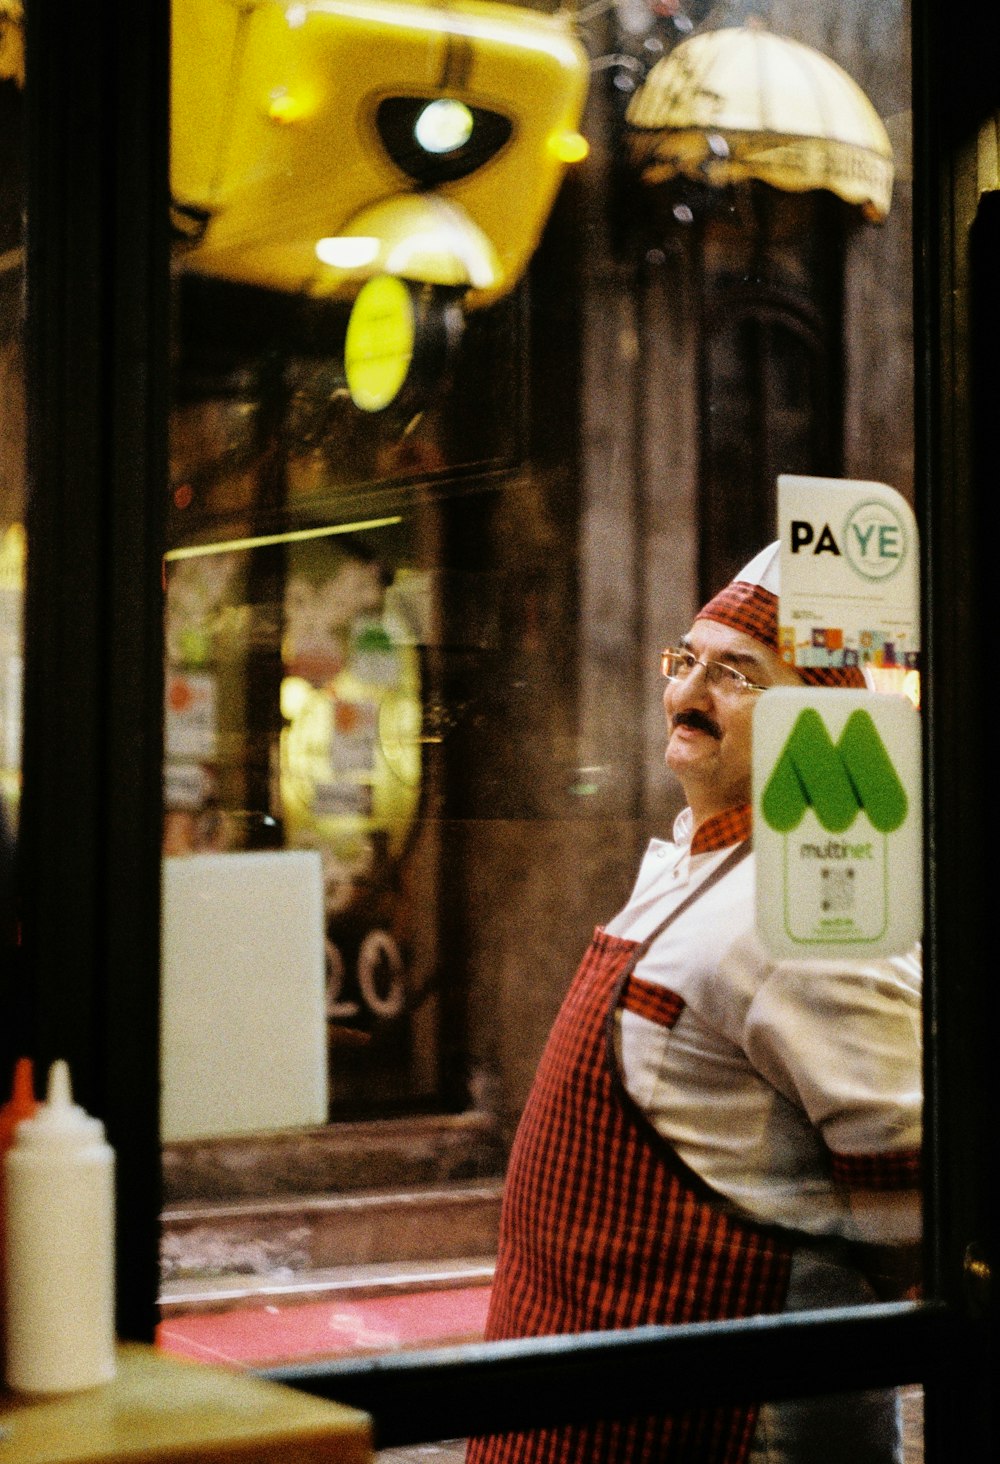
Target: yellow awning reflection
(738, 103)
(276, 144)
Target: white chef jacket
(792, 1087)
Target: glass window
(494, 330)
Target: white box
(243, 1008)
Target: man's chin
(687, 755)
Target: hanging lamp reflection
(742, 103)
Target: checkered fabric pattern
(602, 1228)
(754, 611)
(749, 608)
(720, 831)
(656, 1003)
(898, 1171)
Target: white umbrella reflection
(740, 103)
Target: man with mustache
(714, 1133)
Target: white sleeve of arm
(842, 1041)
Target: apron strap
(734, 857)
(694, 1180)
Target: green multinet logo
(835, 779)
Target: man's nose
(691, 690)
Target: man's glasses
(677, 664)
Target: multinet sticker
(836, 832)
(838, 780)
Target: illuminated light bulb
(569, 147)
(347, 251)
(283, 107)
(294, 697)
(896, 681)
(440, 258)
(911, 687)
(443, 126)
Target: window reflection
(415, 633)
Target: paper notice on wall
(191, 724)
(849, 575)
(185, 785)
(354, 736)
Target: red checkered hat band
(754, 611)
(846, 676)
(748, 608)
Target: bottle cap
(59, 1122)
(22, 1102)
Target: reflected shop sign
(401, 339)
(837, 773)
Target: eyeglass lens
(676, 665)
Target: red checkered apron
(604, 1227)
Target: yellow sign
(379, 345)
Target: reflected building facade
(443, 676)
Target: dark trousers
(852, 1428)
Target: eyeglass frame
(718, 676)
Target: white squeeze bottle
(60, 1247)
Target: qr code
(837, 889)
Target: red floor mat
(272, 1334)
